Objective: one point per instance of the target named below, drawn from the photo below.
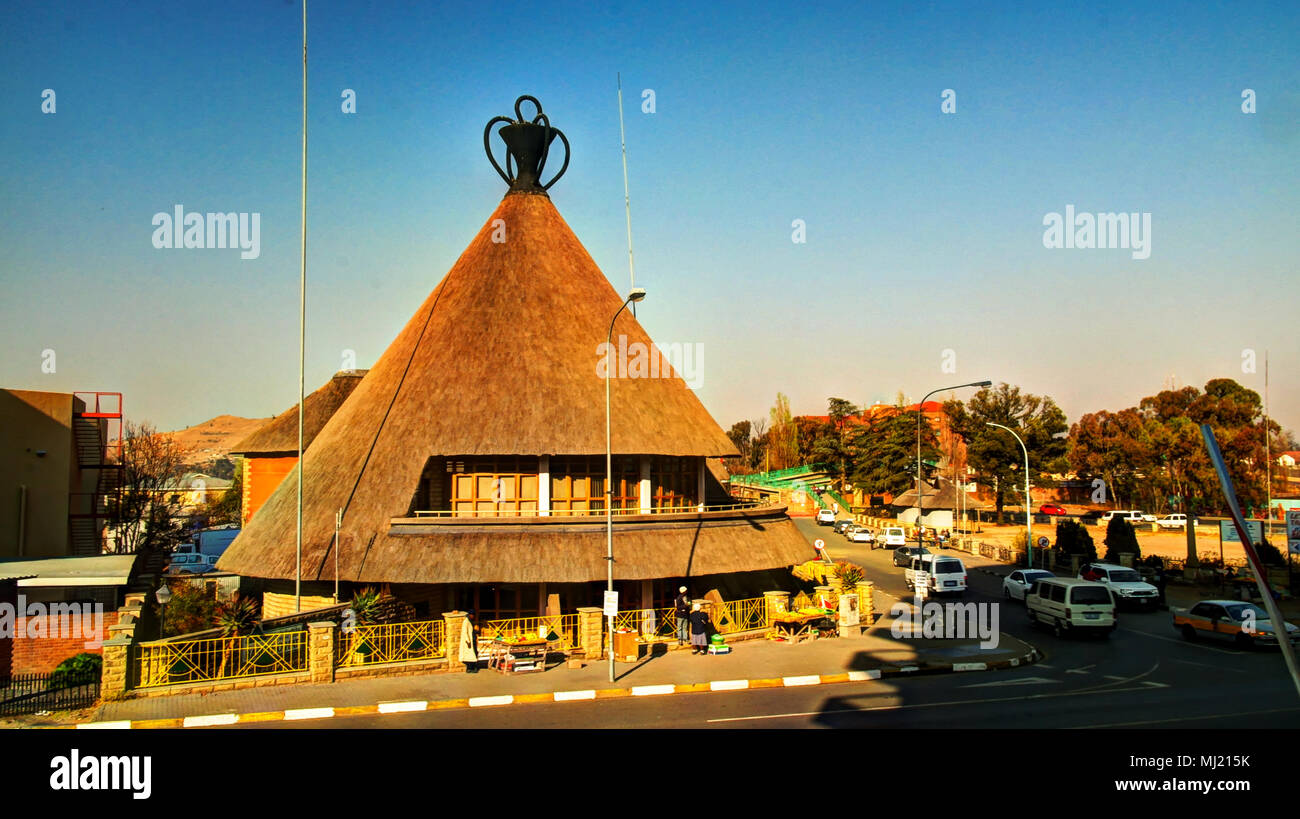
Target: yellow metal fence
(221, 658)
(560, 630)
(741, 615)
(659, 625)
(391, 643)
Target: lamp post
(163, 595)
(919, 414)
(1029, 521)
(637, 294)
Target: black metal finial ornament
(528, 144)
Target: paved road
(1143, 676)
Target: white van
(944, 574)
(1068, 605)
(894, 536)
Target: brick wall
(40, 655)
(8, 594)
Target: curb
(413, 706)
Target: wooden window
(490, 485)
(674, 483)
(578, 483)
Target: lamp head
(982, 384)
(636, 294)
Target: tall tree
(884, 453)
(995, 455)
(783, 446)
(148, 513)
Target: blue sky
(924, 230)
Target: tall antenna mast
(627, 199)
(1268, 461)
(302, 316)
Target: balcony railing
(590, 513)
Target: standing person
(835, 505)
(699, 630)
(682, 604)
(468, 654)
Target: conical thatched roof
(279, 436)
(501, 359)
(946, 497)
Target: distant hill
(210, 441)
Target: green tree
(783, 444)
(225, 509)
(191, 608)
(884, 454)
(1073, 539)
(1120, 539)
(994, 454)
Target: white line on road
(810, 679)
(308, 713)
(651, 690)
(564, 696)
(970, 666)
(1021, 681)
(1192, 719)
(213, 719)
(728, 685)
(1180, 642)
(478, 702)
(403, 707)
(1207, 665)
(860, 676)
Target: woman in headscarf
(699, 630)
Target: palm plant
(236, 618)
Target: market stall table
(795, 627)
(510, 657)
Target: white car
(1126, 583)
(895, 537)
(1132, 516)
(825, 517)
(1175, 521)
(862, 535)
(1019, 582)
(944, 574)
(191, 564)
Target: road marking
(652, 690)
(1021, 681)
(503, 699)
(909, 668)
(565, 696)
(1191, 719)
(308, 713)
(1045, 665)
(214, 719)
(1083, 669)
(1182, 642)
(402, 707)
(1207, 665)
(1113, 677)
(970, 666)
(811, 679)
(860, 676)
(116, 724)
(728, 685)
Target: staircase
(97, 438)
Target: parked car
(1052, 509)
(841, 525)
(1245, 624)
(903, 554)
(825, 517)
(1126, 583)
(862, 535)
(1017, 584)
(944, 574)
(895, 536)
(191, 564)
(1175, 521)
(1067, 606)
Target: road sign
(819, 544)
(1293, 531)
(1043, 542)
(921, 583)
(611, 603)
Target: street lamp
(919, 414)
(163, 595)
(637, 294)
(1029, 521)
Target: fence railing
(741, 615)
(657, 624)
(28, 693)
(391, 643)
(561, 630)
(221, 658)
(669, 509)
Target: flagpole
(302, 317)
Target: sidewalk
(751, 664)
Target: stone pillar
(115, 679)
(320, 652)
(822, 591)
(453, 623)
(774, 603)
(591, 631)
(867, 600)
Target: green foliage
(849, 575)
(77, 669)
(373, 606)
(225, 509)
(1269, 554)
(884, 454)
(1073, 539)
(237, 616)
(191, 608)
(1120, 539)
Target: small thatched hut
(469, 462)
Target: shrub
(1269, 554)
(77, 669)
(849, 575)
(1073, 539)
(192, 608)
(1120, 539)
